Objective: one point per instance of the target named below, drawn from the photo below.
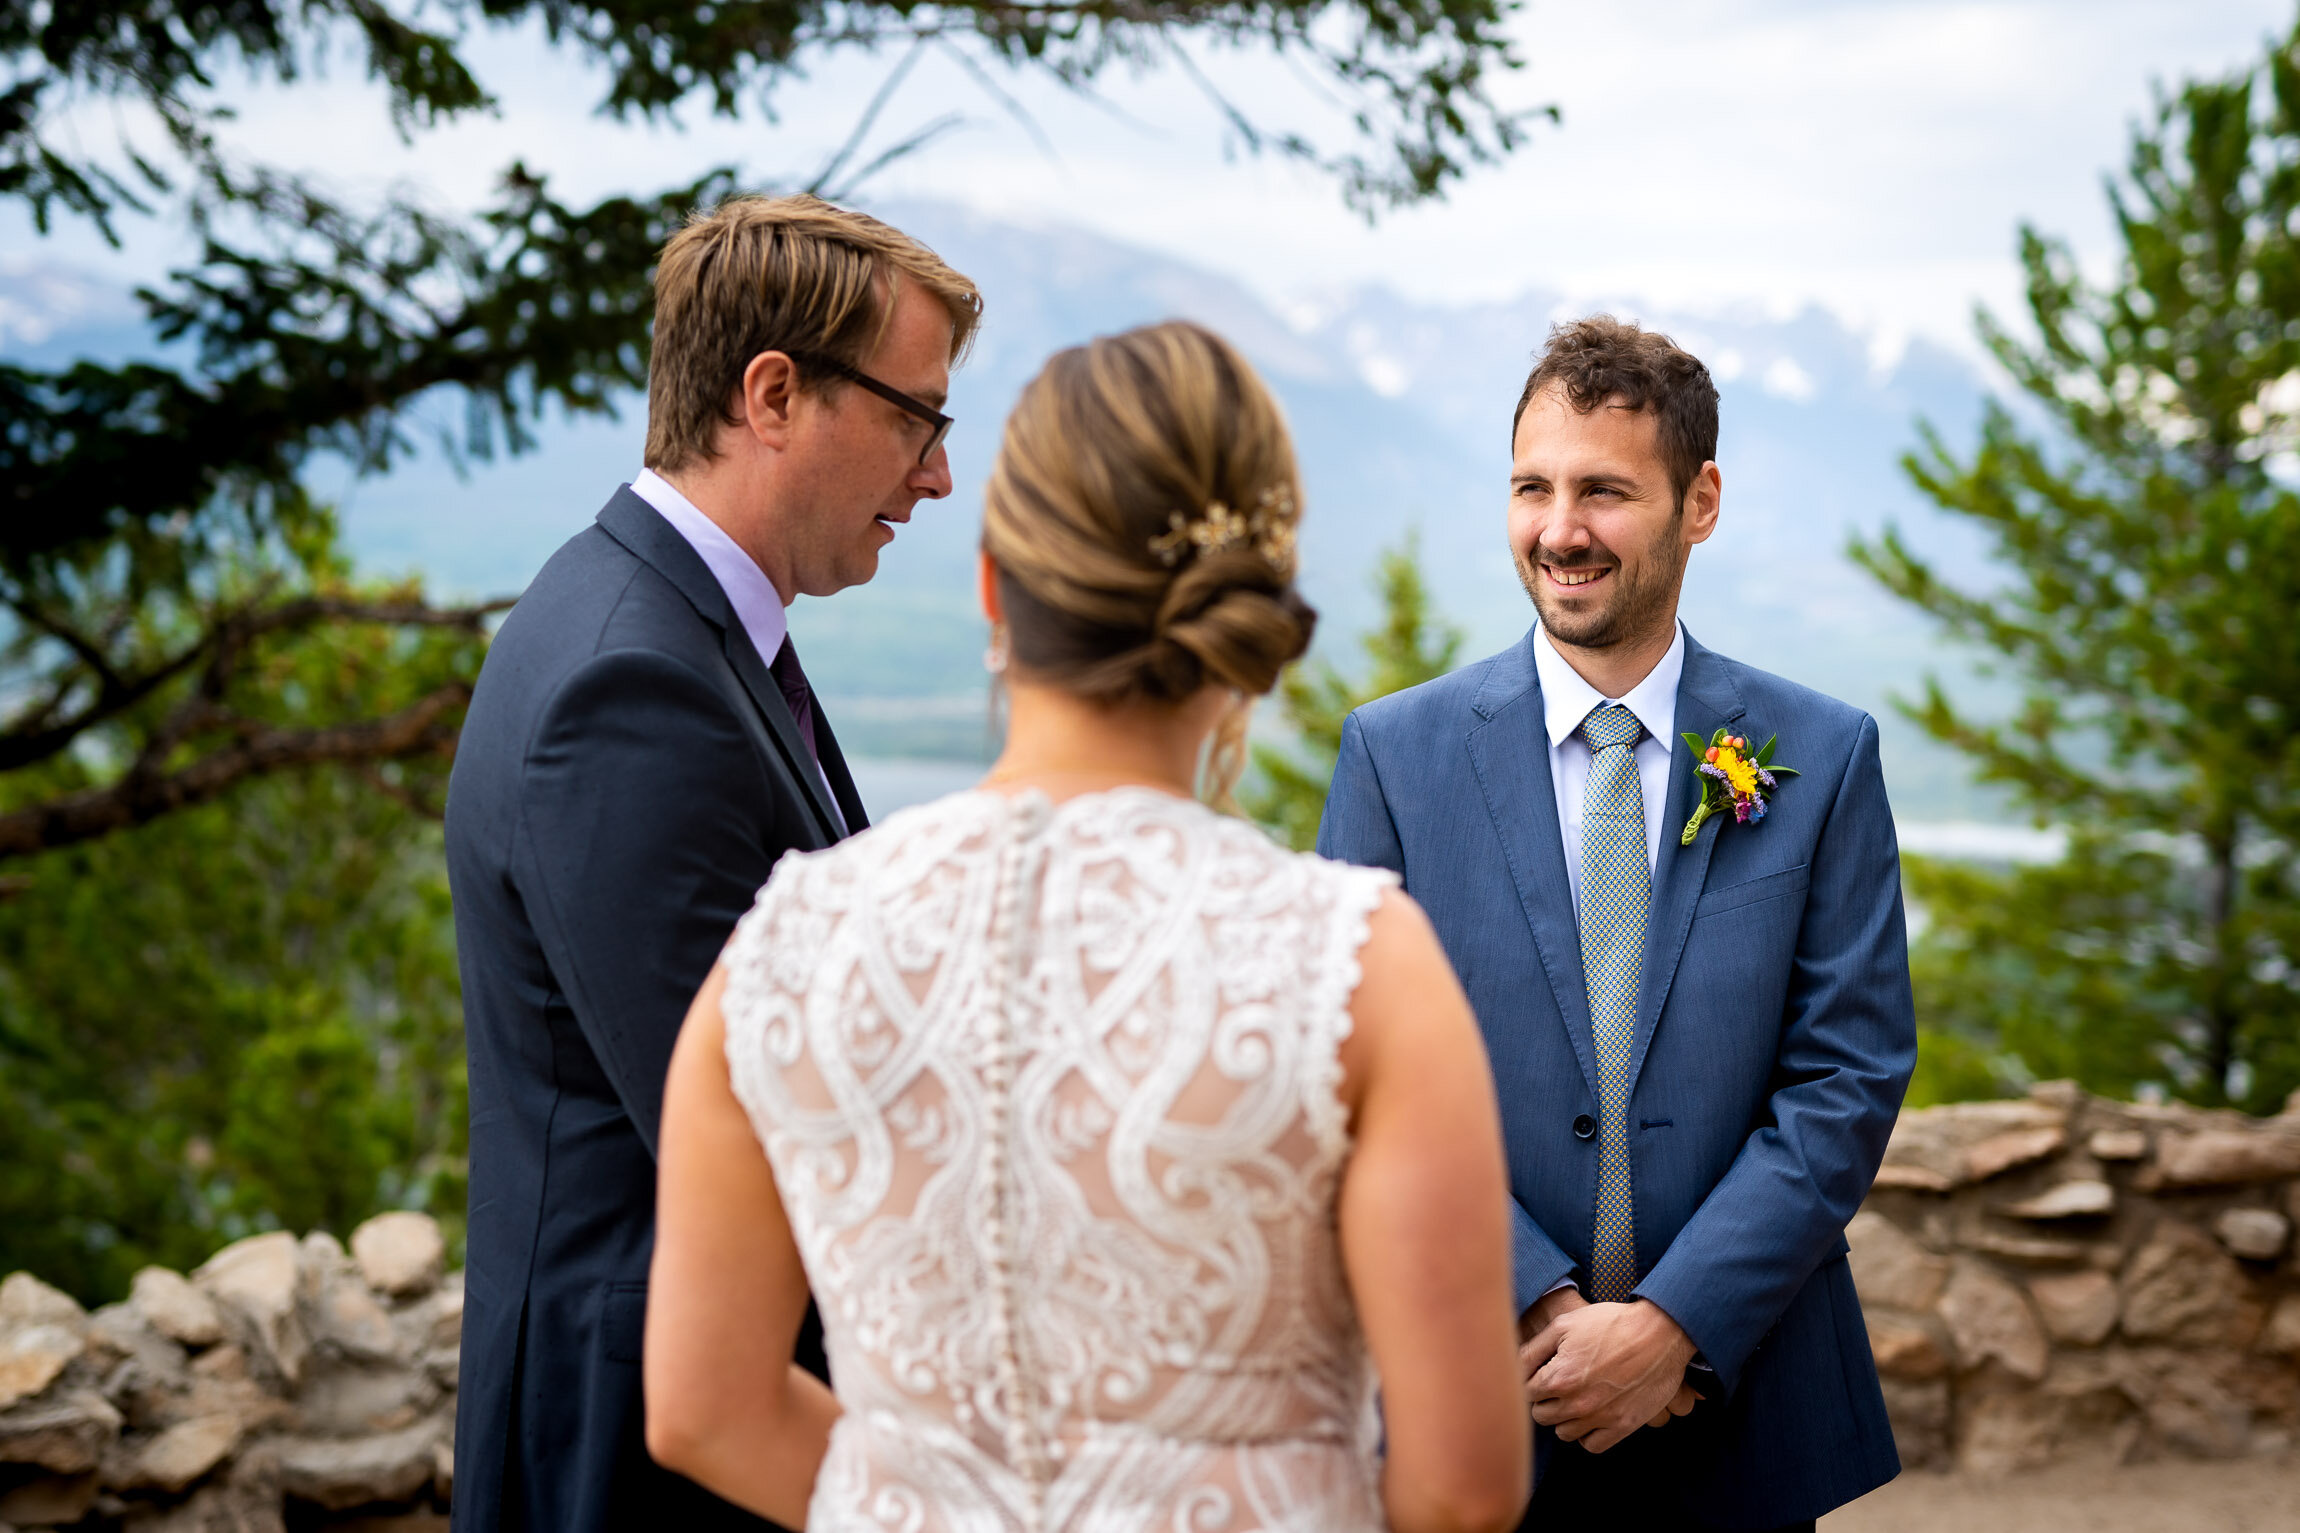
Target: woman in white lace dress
(1123, 1150)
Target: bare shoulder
(1402, 949)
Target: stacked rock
(282, 1372)
(2065, 1276)
(2052, 1278)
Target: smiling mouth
(1574, 578)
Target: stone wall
(286, 1383)
(2068, 1277)
(2051, 1278)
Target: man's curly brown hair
(1605, 361)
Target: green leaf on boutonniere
(1732, 777)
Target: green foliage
(1952, 1067)
(316, 328)
(242, 1017)
(238, 1010)
(2070, 969)
(2152, 545)
(160, 672)
(140, 495)
(227, 996)
(1413, 78)
(1412, 646)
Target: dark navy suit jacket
(628, 776)
(1775, 1037)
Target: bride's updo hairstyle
(1142, 516)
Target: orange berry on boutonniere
(1732, 780)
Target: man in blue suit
(642, 748)
(1700, 1033)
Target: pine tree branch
(217, 653)
(2147, 567)
(407, 798)
(427, 727)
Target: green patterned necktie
(1616, 893)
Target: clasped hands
(1598, 1372)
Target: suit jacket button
(1585, 1127)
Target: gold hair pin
(1267, 526)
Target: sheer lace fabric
(1049, 1093)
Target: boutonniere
(1732, 777)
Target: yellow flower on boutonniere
(1732, 777)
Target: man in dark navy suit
(641, 748)
(1700, 1027)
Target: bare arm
(1425, 1238)
(726, 1406)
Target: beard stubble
(1638, 604)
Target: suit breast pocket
(1787, 884)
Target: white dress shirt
(1566, 700)
(758, 605)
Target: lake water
(889, 783)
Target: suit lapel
(768, 694)
(1509, 750)
(835, 768)
(1706, 701)
(638, 527)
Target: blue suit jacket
(628, 776)
(1775, 1037)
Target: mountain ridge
(1400, 412)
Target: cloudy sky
(1873, 156)
(1721, 161)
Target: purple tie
(797, 694)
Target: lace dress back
(1049, 1093)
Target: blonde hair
(790, 274)
(1141, 515)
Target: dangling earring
(994, 658)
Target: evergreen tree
(1411, 646)
(227, 984)
(2144, 514)
(241, 1016)
(156, 518)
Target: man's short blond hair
(789, 274)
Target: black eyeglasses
(938, 424)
